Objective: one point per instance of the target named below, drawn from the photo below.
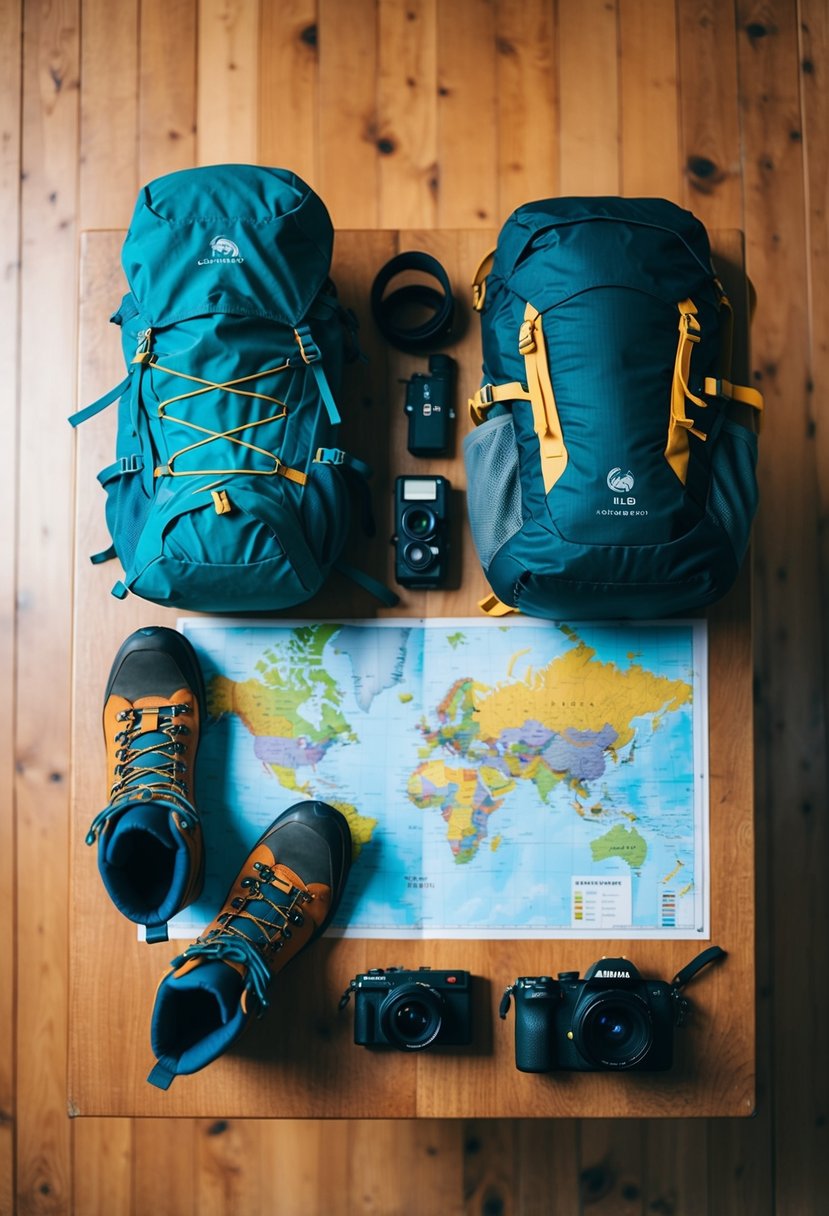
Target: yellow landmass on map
(256, 705)
(575, 691)
(287, 777)
(361, 826)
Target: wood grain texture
(10, 155)
(791, 715)
(228, 82)
(50, 122)
(751, 83)
(588, 68)
(300, 1058)
(649, 119)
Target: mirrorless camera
(421, 537)
(611, 1019)
(429, 407)
(411, 1010)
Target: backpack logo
(619, 482)
(224, 250)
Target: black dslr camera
(429, 407)
(421, 536)
(610, 1020)
(411, 1010)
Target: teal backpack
(605, 475)
(228, 492)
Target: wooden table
(300, 1060)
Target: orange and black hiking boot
(150, 848)
(282, 899)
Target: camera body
(411, 1010)
(429, 407)
(610, 1020)
(421, 535)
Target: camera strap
(711, 955)
(390, 311)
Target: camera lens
(417, 556)
(419, 522)
(614, 1030)
(411, 1017)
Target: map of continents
(545, 749)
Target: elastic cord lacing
(231, 944)
(137, 776)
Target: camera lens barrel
(411, 1016)
(614, 1029)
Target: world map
(499, 779)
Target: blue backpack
(228, 490)
(605, 475)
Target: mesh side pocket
(126, 514)
(493, 493)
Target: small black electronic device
(430, 407)
(421, 536)
(611, 1019)
(411, 1010)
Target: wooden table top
(300, 1060)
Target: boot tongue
(159, 754)
(149, 817)
(220, 980)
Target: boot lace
(138, 777)
(231, 943)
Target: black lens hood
(388, 310)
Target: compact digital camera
(429, 407)
(611, 1019)
(421, 536)
(411, 1010)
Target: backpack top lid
(648, 243)
(239, 239)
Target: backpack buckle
(307, 346)
(329, 456)
(526, 338)
(133, 463)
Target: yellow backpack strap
(490, 394)
(492, 606)
(532, 345)
(676, 449)
(479, 280)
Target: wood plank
(165, 1158)
(526, 97)
(288, 82)
(349, 169)
(102, 1166)
(399, 1167)
(709, 110)
(489, 1182)
(612, 1167)
(109, 114)
(589, 98)
(467, 119)
(548, 1153)
(676, 1160)
(50, 126)
(11, 19)
(406, 129)
(228, 82)
(792, 695)
(650, 156)
(337, 1078)
(166, 87)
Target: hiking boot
(150, 848)
(282, 899)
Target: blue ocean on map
(514, 780)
